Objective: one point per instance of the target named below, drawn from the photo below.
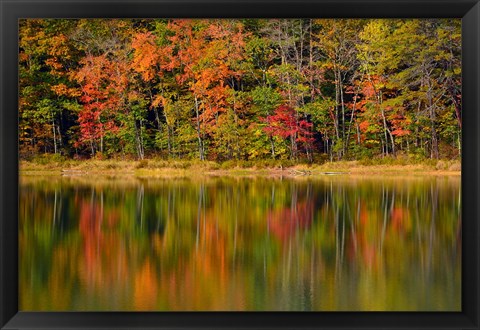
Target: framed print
(239, 164)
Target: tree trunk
(139, 141)
(199, 135)
(272, 145)
(337, 101)
(169, 140)
(92, 148)
(54, 136)
(431, 107)
(342, 103)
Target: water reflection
(326, 244)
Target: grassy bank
(155, 167)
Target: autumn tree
(48, 100)
(335, 42)
(285, 124)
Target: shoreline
(154, 168)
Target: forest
(304, 90)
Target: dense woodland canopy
(249, 89)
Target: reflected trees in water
(240, 244)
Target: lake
(332, 243)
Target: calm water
(327, 244)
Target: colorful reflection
(254, 244)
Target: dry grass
(161, 168)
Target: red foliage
(286, 123)
(103, 82)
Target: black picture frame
(13, 10)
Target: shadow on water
(326, 244)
